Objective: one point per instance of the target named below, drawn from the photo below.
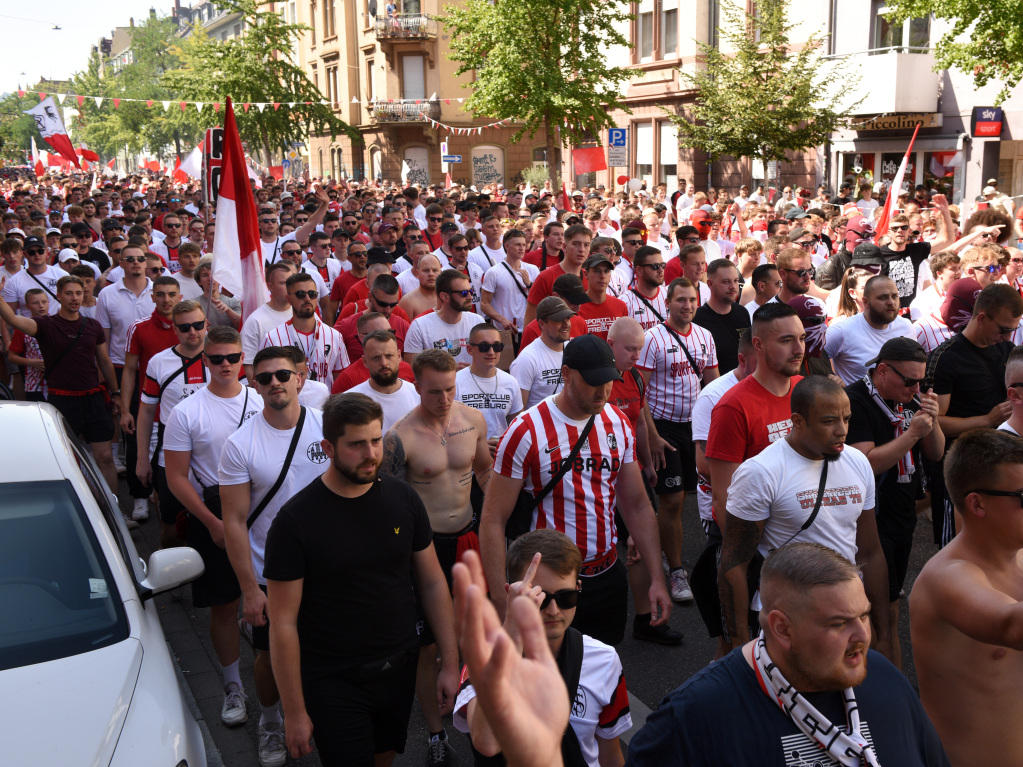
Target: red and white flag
(566, 198)
(192, 164)
(51, 128)
(881, 222)
(237, 254)
(37, 161)
(87, 154)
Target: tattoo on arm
(394, 456)
(737, 550)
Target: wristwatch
(115, 393)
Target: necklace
(443, 441)
(486, 394)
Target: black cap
(378, 256)
(597, 258)
(900, 349)
(34, 242)
(593, 358)
(80, 228)
(570, 287)
(447, 227)
(866, 250)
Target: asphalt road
(651, 671)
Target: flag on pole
(51, 128)
(881, 223)
(566, 198)
(86, 153)
(192, 165)
(237, 254)
(37, 162)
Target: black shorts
(87, 416)
(897, 544)
(261, 634)
(170, 506)
(218, 585)
(604, 605)
(679, 472)
(447, 547)
(355, 718)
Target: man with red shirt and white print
(676, 358)
(603, 472)
(577, 248)
(323, 346)
(646, 301)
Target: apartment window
(237, 30)
(319, 154)
(328, 19)
(413, 77)
(669, 28)
(645, 31)
(375, 160)
(540, 157)
(312, 23)
(223, 37)
(371, 85)
(669, 154)
(912, 34)
(336, 96)
(645, 153)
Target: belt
(601, 564)
(69, 393)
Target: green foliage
(254, 68)
(542, 63)
(16, 130)
(534, 175)
(765, 99)
(990, 32)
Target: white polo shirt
(117, 309)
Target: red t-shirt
(672, 269)
(348, 328)
(433, 240)
(532, 331)
(147, 338)
(360, 306)
(599, 317)
(747, 419)
(342, 285)
(543, 285)
(535, 257)
(357, 373)
(626, 396)
(359, 292)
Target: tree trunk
(553, 153)
(267, 154)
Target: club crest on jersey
(315, 453)
(612, 443)
(326, 350)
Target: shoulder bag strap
(649, 305)
(245, 406)
(639, 380)
(175, 374)
(816, 504)
(280, 478)
(515, 279)
(565, 464)
(571, 670)
(689, 356)
(37, 282)
(64, 352)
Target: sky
(33, 48)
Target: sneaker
(140, 512)
(680, 590)
(272, 752)
(131, 523)
(439, 753)
(660, 634)
(233, 712)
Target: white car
(85, 674)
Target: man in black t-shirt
(904, 257)
(343, 638)
(842, 198)
(968, 374)
(86, 251)
(721, 315)
(891, 426)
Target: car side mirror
(170, 568)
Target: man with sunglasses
(320, 264)
(382, 298)
(36, 274)
(893, 423)
(449, 325)
(271, 315)
(271, 243)
(646, 300)
(904, 257)
(252, 461)
(351, 223)
(168, 249)
(323, 346)
(358, 260)
(482, 385)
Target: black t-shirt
(725, 328)
(98, 257)
(974, 377)
(839, 201)
(355, 556)
(77, 371)
(688, 728)
(896, 501)
(903, 266)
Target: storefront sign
(898, 122)
(987, 121)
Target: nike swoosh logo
(549, 450)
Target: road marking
(640, 711)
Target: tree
(255, 68)
(542, 63)
(16, 129)
(985, 38)
(765, 98)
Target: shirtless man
(966, 607)
(436, 448)
(424, 298)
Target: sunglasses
(910, 382)
(1017, 494)
(218, 359)
(291, 252)
(434, 218)
(268, 220)
(172, 226)
(134, 259)
(385, 303)
(415, 237)
(569, 598)
(459, 247)
(656, 267)
(801, 272)
(805, 244)
(300, 294)
(283, 375)
(990, 268)
(915, 232)
(632, 242)
(485, 346)
(462, 293)
(117, 252)
(691, 239)
(35, 251)
(899, 228)
(186, 326)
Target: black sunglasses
(801, 272)
(134, 259)
(462, 293)
(632, 242)
(1018, 494)
(185, 326)
(910, 382)
(387, 304)
(218, 359)
(35, 251)
(303, 293)
(268, 220)
(291, 252)
(899, 227)
(283, 375)
(656, 267)
(567, 598)
(434, 218)
(485, 346)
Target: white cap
(67, 254)
(990, 190)
(137, 195)
(52, 230)
(16, 230)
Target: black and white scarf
(900, 420)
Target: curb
(213, 757)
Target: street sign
(443, 147)
(285, 163)
(618, 147)
(213, 159)
(451, 158)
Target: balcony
(405, 111)
(895, 80)
(406, 26)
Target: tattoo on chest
(462, 431)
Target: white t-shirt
(314, 394)
(408, 281)
(259, 323)
(255, 454)
(601, 697)
(705, 402)
(486, 258)
(272, 250)
(927, 300)
(18, 285)
(780, 486)
(186, 382)
(189, 288)
(333, 268)
(429, 331)
(867, 207)
(202, 423)
(507, 286)
(649, 312)
(538, 371)
(852, 344)
(396, 405)
(496, 398)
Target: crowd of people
(501, 398)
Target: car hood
(70, 711)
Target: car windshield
(57, 595)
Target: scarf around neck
(900, 420)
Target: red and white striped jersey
(324, 348)
(582, 504)
(187, 380)
(931, 331)
(674, 385)
(649, 312)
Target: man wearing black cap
(538, 367)
(36, 274)
(86, 251)
(604, 472)
(569, 288)
(893, 422)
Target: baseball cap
(34, 242)
(17, 231)
(385, 227)
(80, 228)
(992, 182)
(796, 233)
(900, 349)
(595, 259)
(287, 196)
(570, 287)
(795, 213)
(448, 227)
(593, 358)
(55, 230)
(67, 255)
(553, 308)
(988, 190)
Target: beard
(881, 317)
(384, 376)
(357, 474)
